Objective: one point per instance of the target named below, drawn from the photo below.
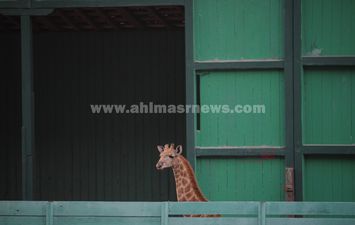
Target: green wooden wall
(242, 179)
(329, 178)
(10, 120)
(328, 109)
(328, 27)
(244, 88)
(237, 30)
(82, 156)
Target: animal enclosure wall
(251, 30)
(328, 94)
(309, 116)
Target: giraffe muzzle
(159, 166)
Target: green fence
(164, 213)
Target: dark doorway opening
(106, 56)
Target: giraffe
(187, 188)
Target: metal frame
(15, 4)
(328, 150)
(27, 108)
(239, 65)
(297, 99)
(328, 61)
(104, 3)
(240, 151)
(190, 82)
(289, 103)
(26, 4)
(29, 12)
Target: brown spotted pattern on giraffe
(187, 188)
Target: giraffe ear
(160, 148)
(178, 149)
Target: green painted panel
(225, 208)
(106, 220)
(19, 220)
(242, 129)
(328, 27)
(241, 179)
(329, 178)
(328, 106)
(238, 29)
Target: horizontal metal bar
(310, 208)
(240, 151)
(103, 3)
(225, 208)
(15, 4)
(239, 64)
(328, 149)
(247, 220)
(26, 12)
(328, 61)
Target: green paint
(242, 129)
(329, 178)
(247, 213)
(227, 208)
(241, 179)
(238, 29)
(328, 27)
(328, 106)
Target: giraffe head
(168, 155)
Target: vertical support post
(289, 106)
(164, 213)
(190, 82)
(49, 214)
(297, 71)
(27, 108)
(262, 214)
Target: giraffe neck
(187, 188)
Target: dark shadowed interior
(95, 56)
